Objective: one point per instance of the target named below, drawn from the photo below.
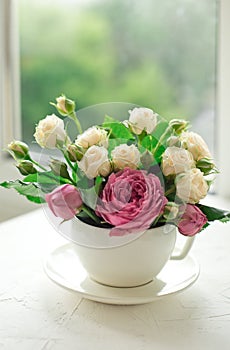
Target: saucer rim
(124, 300)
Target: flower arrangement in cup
(131, 176)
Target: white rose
(125, 156)
(50, 131)
(142, 119)
(95, 162)
(191, 186)
(93, 136)
(195, 144)
(176, 160)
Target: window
(157, 54)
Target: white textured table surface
(37, 314)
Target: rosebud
(147, 159)
(75, 153)
(171, 211)
(59, 168)
(173, 141)
(206, 165)
(26, 167)
(18, 149)
(178, 125)
(64, 105)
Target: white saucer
(63, 267)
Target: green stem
(68, 161)
(70, 165)
(90, 214)
(161, 139)
(37, 164)
(75, 119)
(171, 190)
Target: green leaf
(225, 219)
(89, 196)
(214, 213)
(31, 191)
(38, 200)
(98, 184)
(47, 188)
(158, 153)
(160, 129)
(149, 142)
(90, 190)
(156, 142)
(84, 182)
(118, 129)
(46, 177)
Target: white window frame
(10, 120)
(223, 100)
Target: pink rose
(131, 200)
(192, 220)
(64, 201)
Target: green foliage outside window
(155, 54)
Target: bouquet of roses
(130, 176)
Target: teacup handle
(179, 255)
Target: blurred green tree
(156, 54)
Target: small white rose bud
(75, 152)
(171, 211)
(64, 105)
(18, 149)
(26, 167)
(206, 165)
(178, 125)
(59, 168)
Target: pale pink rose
(64, 201)
(131, 200)
(192, 220)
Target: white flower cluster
(95, 160)
(177, 161)
(191, 185)
(94, 143)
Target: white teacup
(132, 264)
